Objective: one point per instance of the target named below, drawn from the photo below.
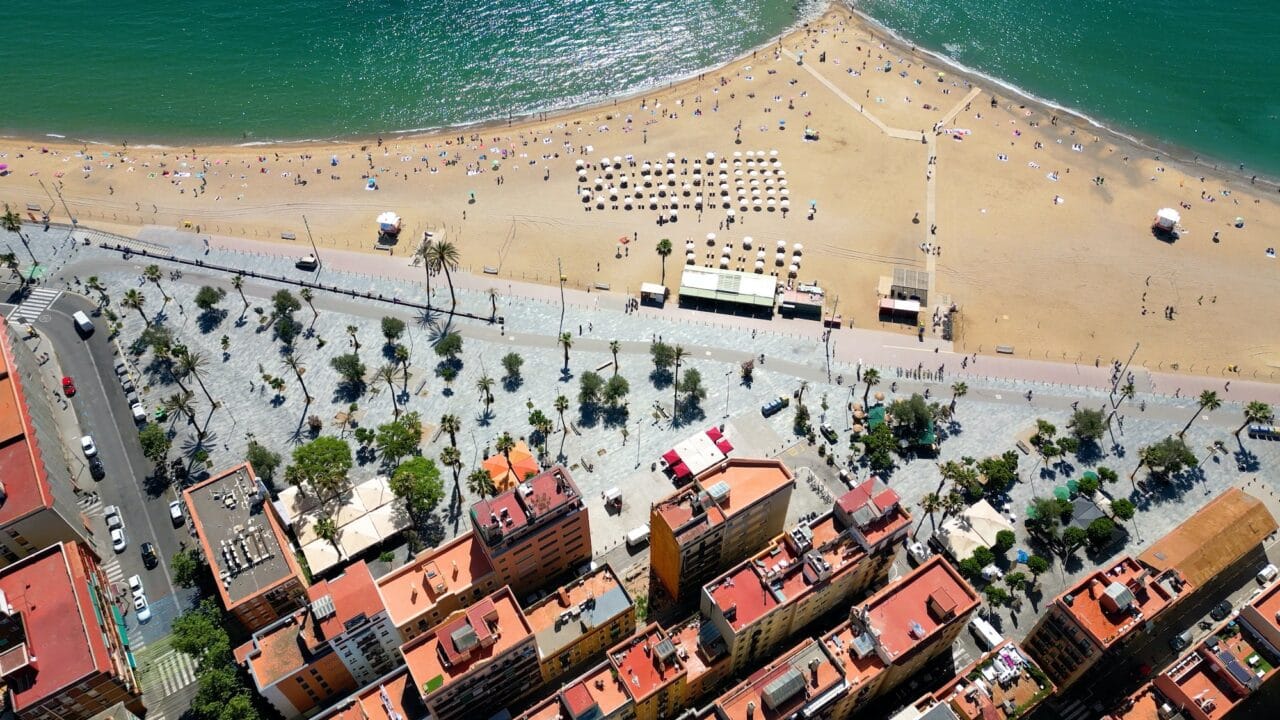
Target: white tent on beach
(1167, 219)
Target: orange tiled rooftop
(25, 484)
(368, 704)
(593, 585)
(749, 480)
(1141, 705)
(1017, 685)
(808, 664)
(498, 624)
(640, 664)
(354, 593)
(1200, 686)
(857, 670)
(1102, 618)
(609, 694)
(695, 657)
(907, 612)
(415, 588)
(280, 648)
(1268, 605)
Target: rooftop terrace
(389, 698)
(646, 663)
(243, 543)
(745, 482)
(280, 649)
(576, 609)
(452, 568)
(1112, 602)
(524, 506)
(908, 612)
(800, 678)
(469, 638)
(1002, 684)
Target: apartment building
(64, 651)
(37, 489)
(802, 683)
(292, 666)
(1003, 684)
(438, 583)
(579, 621)
(768, 599)
(244, 543)
(721, 518)
(476, 662)
(652, 674)
(534, 532)
(391, 697)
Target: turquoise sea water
(1198, 76)
(1186, 73)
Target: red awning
(714, 434)
(724, 446)
(680, 470)
(671, 457)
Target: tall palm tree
(1208, 401)
(561, 406)
(451, 458)
(93, 284)
(450, 425)
(134, 300)
(180, 403)
(355, 341)
(804, 385)
(1256, 412)
(958, 390)
(484, 386)
(294, 363)
(194, 363)
(664, 249)
(930, 503)
(10, 261)
(678, 355)
(424, 253)
(307, 297)
(12, 222)
(493, 305)
(151, 274)
(505, 444)
(237, 282)
(614, 347)
(389, 374)
(871, 377)
(326, 530)
(445, 256)
(566, 341)
(480, 484)
(953, 502)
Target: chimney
(814, 664)
(751, 711)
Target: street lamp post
(727, 373)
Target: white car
(112, 515)
(135, 586)
(86, 444)
(141, 608)
(175, 513)
(118, 540)
(139, 412)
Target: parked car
(918, 552)
(1221, 610)
(86, 444)
(1267, 574)
(773, 406)
(83, 323)
(111, 514)
(308, 262)
(96, 469)
(175, 513)
(149, 557)
(135, 586)
(1182, 640)
(828, 433)
(68, 386)
(141, 608)
(139, 412)
(118, 541)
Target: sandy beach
(1035, 225)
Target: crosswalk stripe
(36, 303)
(173, 671)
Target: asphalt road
(104, 414)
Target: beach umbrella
(755, 192)
(687, 189)
(793, 270)
(724, 263)
(760, 255)
(711, 238)
(627, 204)
(673, 214)
(617, 161)
(690, 258)
(579, 163)
(738, 173)
(779, 259)
(728, 213)
(737, 153)
(782, 245)
(711, 156)
(586, 196)
(688, 246)
(773, 153)
(784, 191)
(797, 248)
(769, 191)
(759, 266)
(746, 242)
(757, 203)
(771, 202)
(671, 156)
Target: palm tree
(390, 373)
(1256, 412)
(194, 363)
(326, 530)
(307, 297)
(444, 255)
(237, 282)
(10, 221)
(804, 385)
(664, 249)
(355, 341)
(953, 502)
(134, 300)
(493, 305)
(678, 355)
(562, 405)
(871, 377)
(151, 274)
(614, 347)
(958, 390)
(566, 340)
(930, 503)
(93, 284)
(424, 253)
(450, 425)
(1208, 401)
(10, 261)
(505, 444)
(292, 362)
(480, 484)
(484, 386)
(180, 403)
(402, 357)
(451, 458)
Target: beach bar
(653, 294)
(728, 291)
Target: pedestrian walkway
(36, 303)
(169, 673)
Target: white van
(1267, 574)
(638, 536)
(83, 323)
(985, 634)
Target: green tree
(511, 362)
(1005, 540)
(480, 484)
(984, 555)
(353, 332)
(566, 342)
(561, 406)
(207, 298)
(542, 425)
(308, 297)
(1209, 401)
(399, 438)
(416, 481)
(1074, 538)
(616, 388)
(391, 374)
(879, 446)
(424, 253)
(180, 402)
(155, 442)
(1099, 531)
(450, 425)
(664, 249)
(663, 355)
(590, 388)
(958, 390)
(284, 304)
(444, 257)
(1000, 471)
(677, 356)
(1107, 475)
(451, 458)
(326, 529)
(193, 363)
(484, 386)
(930, 504)
(1088, 485)
(1087, 424)
(350, 368)
(970, 568)
(1256, 412)
(320, 467)
(287, 329)
(200, 634)
(151, 274)
(1045, 432)
(1123, 508)
(996, 595)
(871, 377)
(187, 567)
(264, 461)
(691, 386)
(134, 300)
(1165, 458)
(910, 417)
(237, 282)
(392, 328)
(614, 348)
(294, 363)
(1037, 565)
(1015, 580)
(449, 346)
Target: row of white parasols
(726, 254)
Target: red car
(68, 386)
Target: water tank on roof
(719, 492)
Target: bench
(1004, 349)
(288, 236)
(490, 270)
(34, 207)
(602, 286)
